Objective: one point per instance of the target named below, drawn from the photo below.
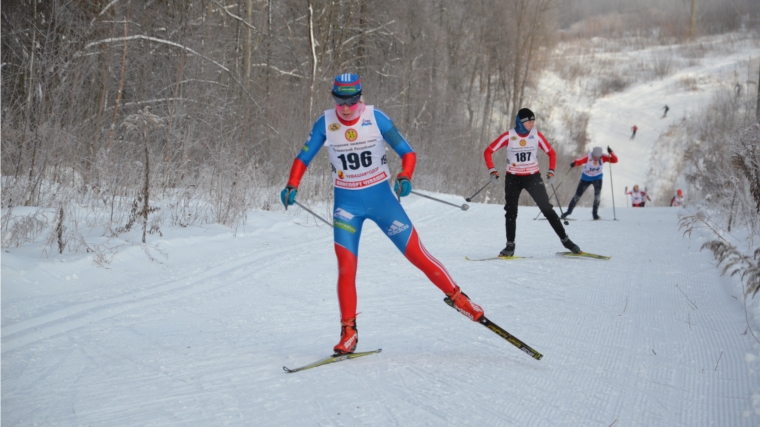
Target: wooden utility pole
(693, 28)
(757, 110)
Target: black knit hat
(525, 115)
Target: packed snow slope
(685, 92)
(653, 337)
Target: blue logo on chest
(366, 122)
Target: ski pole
(614, 215)
(469, 199)
(550, 197)
(464, 207)
(555, 191)
(317, 216)
(559, 204)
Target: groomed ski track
(653, 337)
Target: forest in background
(165, 112)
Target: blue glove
(288, 196)
(402, 187)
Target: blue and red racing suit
(360, 176)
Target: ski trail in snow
(635, 339)
(612, 117)
(61, 321)
(652, 337)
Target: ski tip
(585, 255)
(286, 369)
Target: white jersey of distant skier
(521, 151)
(637, 197)
(593, 168)
(356, 152)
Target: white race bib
(521, 153)
(357, 152)
(593, 167)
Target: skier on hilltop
(638, 198)
(634, 129)
(356, 135)
(522, 144)
(593, 164)
(677, 200)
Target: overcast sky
(576, 10)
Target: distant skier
(678, 199)
(665, 109)
(634, 129)
(738, 89)
(593, 164)
(638, 198)
(522, 144)
(356, 136)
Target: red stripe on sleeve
(296, 172)
(581, 160)
(544, 144)
(497, 144)
(408, 161)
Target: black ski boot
(566, 242)
(509, 250)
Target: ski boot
(566, 242)
(349, 337)
(509, 250)
(463, 305)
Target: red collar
(347, 122)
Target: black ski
(505, 258)
(332, 359)
(584, 255)
(498, 330)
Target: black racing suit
(513, 186)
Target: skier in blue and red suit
(356, 135)
(593, 165)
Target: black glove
(609, 150)
(572, 164)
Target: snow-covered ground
(193, 328)
(684, 77)
(653, 337)
(685, 92)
